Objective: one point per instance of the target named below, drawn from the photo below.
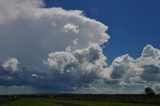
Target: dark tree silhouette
(149, 91)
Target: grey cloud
(17, 90)
(84, 69)
(156, 87)
(68, 43)
(77, 67)
(11, 64)
(29, 32)
(151, 73)
(125, 70)
(144, 70)
(68, 70)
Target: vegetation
(80, 100)
(149, 91)
(97, 103)
(4, 99)
(29, 102)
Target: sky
(132, 23)
(79, 46)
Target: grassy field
(29, 101)
(96, 103)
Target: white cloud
(71, 28)
(11, 64)
(30, 32)
(125, 70)
(150, 51)
(10, 10)
(78, 65)
(150, 56)
(144, 70)
(58, 60)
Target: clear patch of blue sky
(132, 23)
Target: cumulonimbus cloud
(61, 49)
(29, 32)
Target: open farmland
(80, 100)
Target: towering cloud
(125, 70)
(143, 70)
(29, 31)
(78, 67)
(61, 49)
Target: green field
(53, 102)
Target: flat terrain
(52, 102)
(79, 100)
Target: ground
(45, 101)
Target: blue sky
(132, 23)
(64, 45)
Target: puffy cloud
(29, 32)
(68, 69)
(150, 56)
(150, 62)
(123, 71)
(150, 51)
(11, 64)
(144, 70)
(71, 28)
(84, 70)
(80, 66)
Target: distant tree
(149, 91)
